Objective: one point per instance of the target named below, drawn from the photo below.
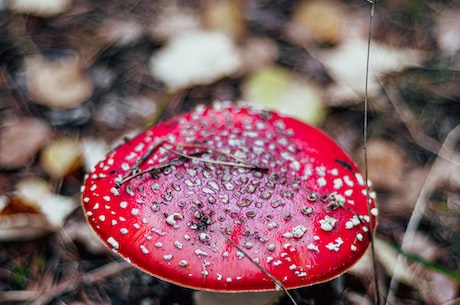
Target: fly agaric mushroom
(212, 198)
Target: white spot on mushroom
(201, 252)
(102, 217)
(207, 190)
(335, 246)
(111, 241)
(139, 147)
(313, 247)
(183, 263)
(295, 165)
(328, 223)
(321, 171)
(360, 179)
(124, 231)
(334, 171)
(172, 219)
(125, 166)
(359, 236)
(298, 231)
(348, 181)
(214, 185)
(353, 248)
(115, 191)
(321, 182)
(178, 244)
(158, 244)
(204, 237)
(123, 204)
(167, 257)
(134, 211)
(144, 249)
(338, 183)
(375, 211)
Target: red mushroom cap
(196, 198)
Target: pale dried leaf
(60, 157)
(42, 8)
(195, 58)
(347, 64)
(58, 83)
(281, 90)
(36, 193)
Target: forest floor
(79, 76)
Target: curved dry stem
(365, 136)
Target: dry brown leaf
(225, 16)
(33, 211)
(385, 164)
(21, 139)
(317, 21)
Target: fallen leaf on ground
(347, 65)
(279, 89)
(21, 139)
(195, 58)
(60, 83)
(60, 157)
(45, 8)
